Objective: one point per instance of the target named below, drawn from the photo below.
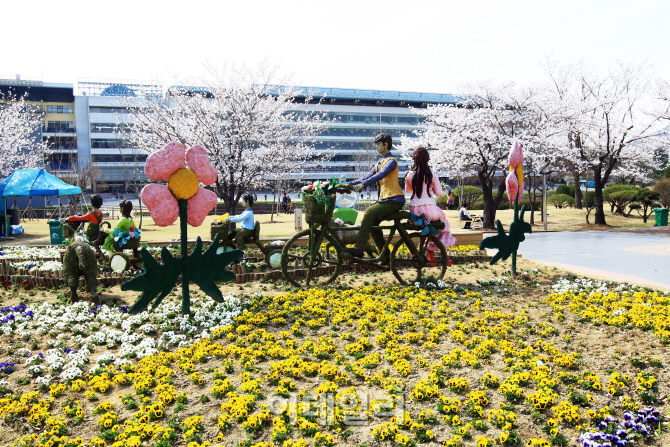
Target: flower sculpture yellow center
(183, 184)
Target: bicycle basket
(316, 212)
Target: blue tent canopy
(35, 182)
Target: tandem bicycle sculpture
(324, 251)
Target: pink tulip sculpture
(508, 245)
(182, 198)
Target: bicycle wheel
(409, 268)
(303, 270)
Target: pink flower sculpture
(514, 180)
(184, 170)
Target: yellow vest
(388, 186)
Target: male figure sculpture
(246, 219)
(391, 197)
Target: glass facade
(59, 109)
(357, 116)
(99, 143)
(121, 110)
(59, 126)
(118, 158)
(59, 143)
(110, 127)
(335, 131)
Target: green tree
(619, 197)
(561, 201)
(567, 190)
(470, 194)
(646, 198)
(663, 188)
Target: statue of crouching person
(79, 259)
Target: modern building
(359, 115)
(56, 104)
(86, 128)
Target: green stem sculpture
(183, 221)
(508, 245)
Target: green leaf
(156, 281)
(207, 268)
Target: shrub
(470, 194)
(589, 198)
(561, 201)
(568, 190)
(662, 187)
(505, 204)
(619, 197)
(646, 198)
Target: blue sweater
(247, 219)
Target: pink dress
(426, 205)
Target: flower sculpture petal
(512, 185)
(200, 205)
(197, 160)
(161, 203)
(163, 163)
(184, 170)
(514, 180)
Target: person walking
(286, 201)
(450, 201)
(420, 181)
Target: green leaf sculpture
(508, 245)
(204, 269)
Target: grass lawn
(37, 232)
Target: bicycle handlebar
(343, 189)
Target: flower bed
(439, 365)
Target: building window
(59, 126)
(118, 158)
(61, 143)
(108, 110)
(110, 128)
(59, 109)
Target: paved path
(627, 256)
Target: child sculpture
(421, 181)
(94, 218)
(125, 227)
(247, 223)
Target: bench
(475, 223)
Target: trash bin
(346, 214)
(56, 231)
(14, 216)
(661, 217)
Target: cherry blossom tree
(474, 136)
(636, 165)
(250, 126)
(20, 147)
(604, 117)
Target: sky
(419, 46)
